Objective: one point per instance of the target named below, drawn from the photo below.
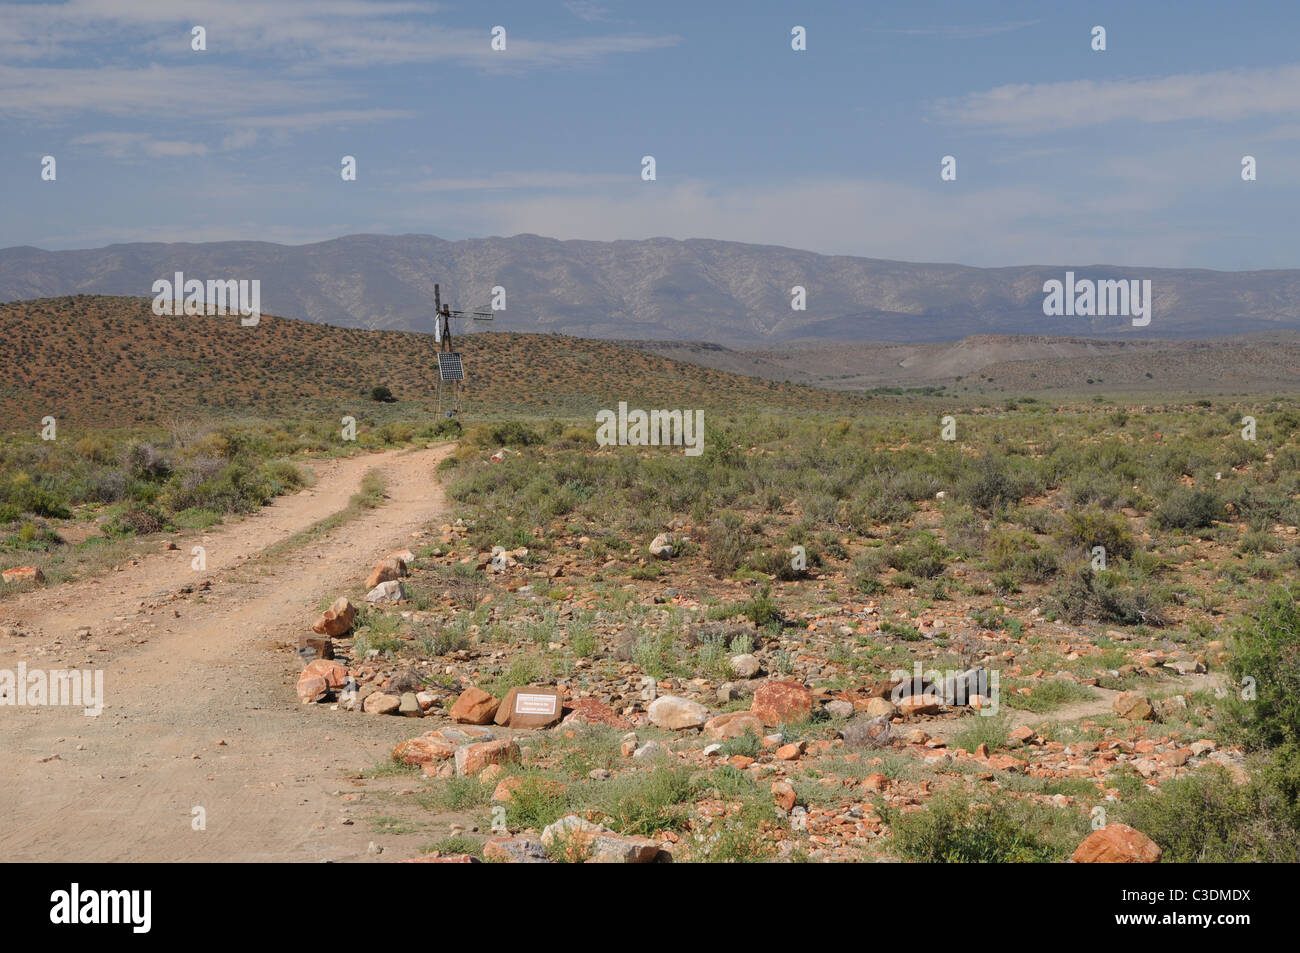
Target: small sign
(535, 704)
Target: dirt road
(199, 709)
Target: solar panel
(450, 368)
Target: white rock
(390, 591)
(661, 547)
(677, 714)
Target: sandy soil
(199, 708)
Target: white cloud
(300, 33)
(973, 32)
(123, 145)
(1223, 96)
(519, 180)
(997, 226)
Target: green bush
(1090, 526)
(989, 485)
(923, 556)
(1085, 594)
(1264, 647)
(1188, 509)
(514, 433)
(951, 830)
(1207, 817)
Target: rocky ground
(794, 739)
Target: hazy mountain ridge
(658, 289)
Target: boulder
(1134, 706)
(583, 840)
(337, 619)
(335, 673)
(473, 758)
(919, 705)
(1117, 844)
(380, 703)
(839, 709)
(312, 688)
(780, 702)
(531, 706)
(23, 574)
(661, 547)
(515, 850)
(386, 570)
(783, 794)
(745, 666)
(425, 749)
(475, 707)
(592, 711)
(677, 714)
(881, 708)
(733, 724)
(387, 593)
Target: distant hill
(1255, 363)
(111, 361)
(659, 289)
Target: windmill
(451, 369)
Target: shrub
(989, 485)
(382, 394)
(954, 831)
(144, 461)
(1087, 594)
(1091, 526)
(514, 433)
(1207, 817)
(727, 543)
(922, 556)
(1188, 509)
(1265, 646)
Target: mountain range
(659, 289)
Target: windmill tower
(451, 369)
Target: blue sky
(1130, 156)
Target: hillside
(111, 361)
(661, 289)
(982, 363)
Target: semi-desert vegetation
(726, 635)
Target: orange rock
(919, 705)
(789, 752)
(312, 688)
(595, 712)
(423, 750)
(23, 574)
(779, 702)
(335, 673)
(783, 792)
(386, 570)
(473, 758)
(876, 783)
(1117, 844)
(1133, 706)
(733, 724)
(337, 619)
(474, 707)
(505, 789)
